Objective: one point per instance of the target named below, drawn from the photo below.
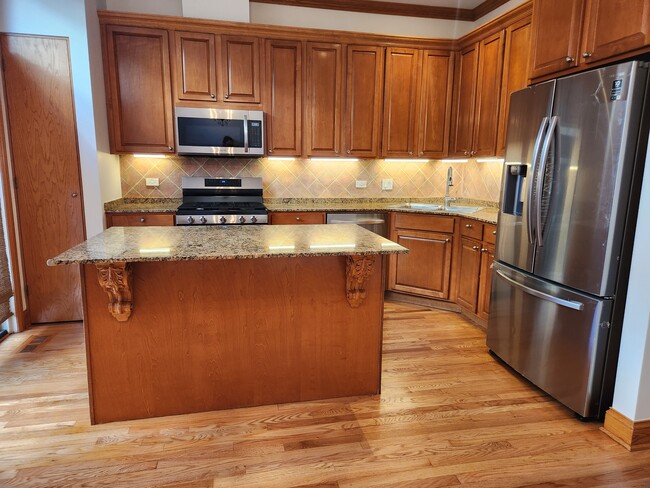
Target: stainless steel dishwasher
(375, 222)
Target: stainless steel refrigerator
(569, 197)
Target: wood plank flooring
(449, 415)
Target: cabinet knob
(466, 153)
(483, 249)
(170, 148)
(410, 153)
(469, 226)
(226, 97)
(586, 55)
(494, 232)
(476, 248)
(270, 151)
(211, 95)
(349, 152)
(142, 219)
(569, 59)
(74, 194)
(421, 153)
(447, 240)
(472, 153)
(298, 219)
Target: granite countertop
(488, 213)
(139, 244)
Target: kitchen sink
(462, 209)
(418, 206)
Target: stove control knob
(222, 220)
(203, 219)
(242, 220)
(190, 220)
(253, 220)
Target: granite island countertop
(187, 243)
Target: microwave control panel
(255, 133)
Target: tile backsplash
(316, 179)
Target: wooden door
(240, 69)
(488, 96)
(485, 282)
(324, 89)
(614, 27)
(400, 102)
(284, 82)
(469, 265)
(139, 95)
(426, 269)
(364, 95)
(557, 26)
(195, 66)
(45, 160)
(434, 110)
(516, 60)
(465, 97)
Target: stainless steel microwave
(219, 132)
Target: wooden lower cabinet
(485, 282)
(139, 219)
(296, 218)
(469, 267)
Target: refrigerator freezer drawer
(554, 337)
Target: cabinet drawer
(139, 219)
(435, 223)
(471, 228)
(285, 218)
(490, 233)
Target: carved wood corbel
(115, 279)
(357, 272)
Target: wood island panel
(209, 335)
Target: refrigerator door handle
(531, 185)
(544, 296)
(540, 179)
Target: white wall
(158, 7)
(67, 18)
(632, 391)
(233, 11)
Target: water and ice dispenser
(513, 188)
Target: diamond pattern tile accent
(303, 178)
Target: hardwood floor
(449, 415)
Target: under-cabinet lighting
(400, 160)
(159, 250)
(158, 156)
(490, 160)
(327, 246)
(455, 160)
(281, 248)
(281, 158)
(338, 160)
(389, 244)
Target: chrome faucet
(450, 182)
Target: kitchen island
(189, 319)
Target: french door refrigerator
(572, 175)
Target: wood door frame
(9, 198)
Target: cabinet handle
(211, 95)
(472, 153)
(586, 55)
(569, 59)
(270, 151)
(446, 240)
(476, 248)
(494, 232)
(468, 226)
(483, 249)
(142, 219)
(226, 97)
(74, 194)
(298, 219)
(170, 148)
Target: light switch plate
(361, 184)
(387, 184)
(155, 182)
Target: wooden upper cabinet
(400, 102)
(284, 85)
(435, 104)
(363, 105)
(488, 96)
(556, 38)
(516, 61)
(614, 27)
(323, 98)
(195, 66)
(240, 69)
(465, 97)
(138, 85)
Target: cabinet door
(139, 97)
(515, 73)
(556, 35)
(240, 69)
(435, 104)
(465, 95)
(616, 26)
(400, 102)
(488, 96)
(485, 283)
(364, 96)
(324, 87)
(195, 66)
(426, 269)
(469, 265)
(284, 81)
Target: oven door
(207, 131)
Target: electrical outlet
(361, 184)
(154, 182)
(387, 184)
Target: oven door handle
(245, 133)
(358, 222)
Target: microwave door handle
(541, 177)
(245, 133)
(531, 183)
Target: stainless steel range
(221, 201)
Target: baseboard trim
(632, 435)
